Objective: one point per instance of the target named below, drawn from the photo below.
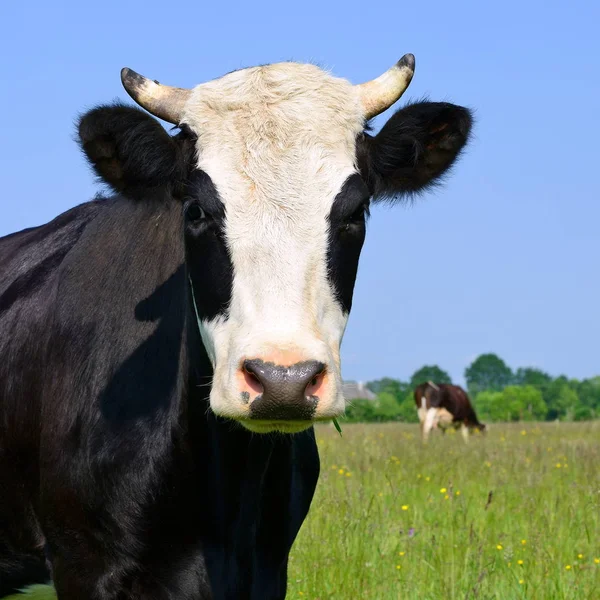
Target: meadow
(512, 514)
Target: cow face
(275, 173)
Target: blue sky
(504, 258)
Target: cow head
(275, 171)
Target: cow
(167, 347)
(441, 406)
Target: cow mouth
(257, 426)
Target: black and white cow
(146, 337)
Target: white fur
(465, 432)
(278, 142)
(429, 422)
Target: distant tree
(584, 413)
(387, 407)
(525, 403)
(487, 372)
(360, 411)
(588, 391)
(532, 376)
(513, 403)
(429, 373)
(562, 399)
(408, 409)
(387, 384)
(384, 408)
(490, 407)
(378, 385)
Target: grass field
(514, 514)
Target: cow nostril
(315, 384)
(252, 380)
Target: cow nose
(284, 393)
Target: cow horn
(162, 101)
(379, 94)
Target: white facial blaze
(278, 143)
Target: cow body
(148, 336)
(107, 446)
(444, 405)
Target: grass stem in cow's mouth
(337, 426)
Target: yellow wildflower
(443, 491)
(521, 581)
(523, 432)
(398, 566)
(341, 471)
(568, 567)
(446, 497)
(402, 553)
(519, 562)
(405, 507)
(580, 556)
(558, 465)
(597, 561)
(499, 547)
(458, 492)
(348, 474)
(523, 542)
(427, 478)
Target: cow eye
(195, 213)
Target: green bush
(360, 411)
(408, 409)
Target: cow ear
(129, 149)
(414, 149)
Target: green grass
(392, 519)
(34, 592)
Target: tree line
(497, 392)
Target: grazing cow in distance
(148, 337)
(445, 405)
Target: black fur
(347, 229)
(114, 471)
(131, 152)
(414, 149)
(207, 257)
